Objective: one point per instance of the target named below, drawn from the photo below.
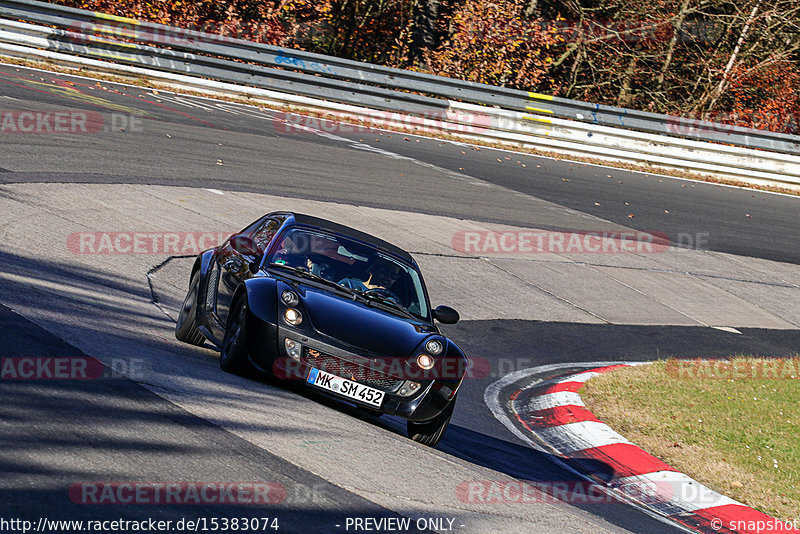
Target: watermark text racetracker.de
(200, 524)
(178, 493)
(422, 121)
(69, 368)
(583, 492)
(559, 242)
(736, 369)
(591, 29)
(475, 368)
(538, 241)
(122, 242)
(233, 493)
(48, 122)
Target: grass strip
(733, 425)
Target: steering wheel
(383, 292)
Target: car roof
(310, 220)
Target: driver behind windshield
(320, 268)
(380, 277)
(288, 255)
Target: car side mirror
(244, 245)
(446, 315)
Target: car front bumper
(427, 402)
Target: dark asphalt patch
(695, 214)
(539, 343)
(56, 434)
(744, 222)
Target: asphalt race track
(163, 412)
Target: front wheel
(233, 358)
(186, 327)
(430, 432)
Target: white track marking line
(574, 437)
(672, 492)
(552, 400)
(583, 377)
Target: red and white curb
(553, 412)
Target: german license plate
(346, 387)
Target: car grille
(349, 370)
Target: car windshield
(352, 265)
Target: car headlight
(290, 298)
(293, 316)
(425, 361)
(293, 348)
(434, 346)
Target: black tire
(186, 328)
(430, 432)
(233, 357)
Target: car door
(234, 266)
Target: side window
(252, 228)
(263, 233)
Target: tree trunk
(625, 97)
(672, 43)
(717, 92)
(425, 34)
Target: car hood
(364, 327)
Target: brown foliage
(491, 42)
(255, 20)
(734, 61)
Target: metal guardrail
(76, 44)
(363, 84)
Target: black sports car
(303, 298)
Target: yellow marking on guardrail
(537, 119)
(540, 96)
(120, 44)
(538, 110)
(112, 56)
(115, 18)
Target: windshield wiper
(355, 293)
(386, 302)
(299, 271)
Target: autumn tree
(494, 43)
(366, 30)
(752, 79)
(685, 57)
(256, 20)
(735, 61)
